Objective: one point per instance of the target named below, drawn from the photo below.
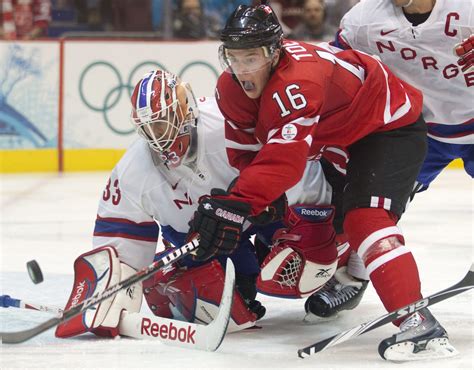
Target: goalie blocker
(95, 271)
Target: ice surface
(50, 218)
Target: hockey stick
(7, 301)
(168, 331)
(173, 256)
(465, 284)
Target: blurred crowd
(159, 19)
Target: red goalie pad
(195, 293)
(153, 290)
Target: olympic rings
(198, 63)
(112, 98)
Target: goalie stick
(168, 331)
(173, 256)
(464, 285)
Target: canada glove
(272, 213)
(219, 222)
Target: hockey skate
(341, 292)
(421, 337)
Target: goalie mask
(164, 112)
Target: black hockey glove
(274, 212)
(219, 223)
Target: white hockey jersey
(141, 194)
(423, 56)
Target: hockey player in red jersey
(155, 188)
(285, 103)
(415, 39)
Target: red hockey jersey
(317, 97)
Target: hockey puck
(34, 271)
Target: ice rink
(50, 218)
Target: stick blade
(24, 335)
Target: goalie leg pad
(196, 294)
(94, 272)
(304, 256)
(154, 291)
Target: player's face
(252, 68)
(162, 130)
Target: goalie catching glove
(219, 223)
(94, 272)
(304, 255)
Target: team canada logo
(229, 216)
(289, 131)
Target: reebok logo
(207, 206)
(384, 33)
(323, 273)
(314, 212)
(168, 331)
(78, 295)
(130, 291)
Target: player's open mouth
(248, 86)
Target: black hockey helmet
(252, 27)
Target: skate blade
(312, 319)
(435, 349)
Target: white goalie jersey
(142, 193)
(423, 56)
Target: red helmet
(164, 111)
